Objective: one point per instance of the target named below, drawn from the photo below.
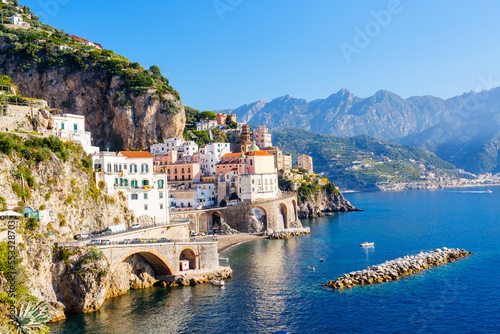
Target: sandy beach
(227, 241)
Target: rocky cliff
(322, 203)
(118, 116)
(79, 281)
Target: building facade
(262, 137)
(132, 173)
(305, 162)
(174, 144)
(72, 127)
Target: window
(161, 183)
(134, 196)
(75, 127)
(116, 181)
(161, 206)
(145, 196)
(253, 181)
(168, 171)
(176, 178)
(183, 170)
(109, 168)
(133, 184)
(145, 207)
(189, 169)
(145, 182)
(133, 168)
(144, 168)
(125, 166)
(62, 126)
(160, 194)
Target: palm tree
(31, 318)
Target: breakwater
(394, 269)
(289, 232)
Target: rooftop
(136, 154)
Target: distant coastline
(421, 187)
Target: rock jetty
(289, 232)
(393, 270)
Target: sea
(273, 290)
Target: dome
(254, 148)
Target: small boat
(367, 244)
(311, 268)
(217, 282)
(489, 191)
(321, 260)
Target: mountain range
(463, 130)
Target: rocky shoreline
(289, 232)
(394, 269)
(185, 279)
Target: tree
(230, 123)
(223, 203)
(233, 196)
(155, 70)
(208, 115)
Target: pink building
(183, 172)
(161, 161)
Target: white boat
(217, 282)
(321, 260)
(489, 191)
(367, 244)
(311, 268)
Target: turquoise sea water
(272, 289)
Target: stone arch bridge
(165, 258)
(276, 214)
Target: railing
(132, 242)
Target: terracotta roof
(259, 153)
(228, 155)
(137, 154)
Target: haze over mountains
(463, 130)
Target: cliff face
(322, 203)
(81, 283)
(116, 118)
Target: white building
(131, 172)
(252, 187)
(196, 196)
(175, 144)
(206, 124)
(72, 127)
(210, 155)
(17, 20)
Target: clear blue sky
(251, 49)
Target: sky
(221, 54)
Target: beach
(228, 241)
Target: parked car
(154, 240)
(163, 240)
(136, 226)
(136, 241)
(94, 242)
(127, 241)
(107, 242)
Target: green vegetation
(16, 274)
(202, 137)
(31, 318)
(361, 162)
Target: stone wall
(240, 217)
